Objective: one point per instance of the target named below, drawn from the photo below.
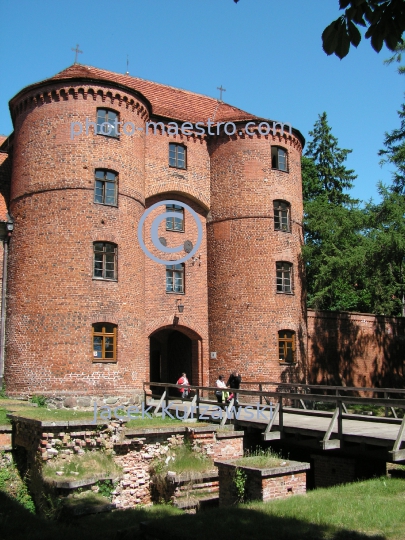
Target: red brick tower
(257, 310)
(66, 212)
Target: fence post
(280, 414)
(167, 396)
(198, 402)
(340, 420)
(386, 407)
(261, 390)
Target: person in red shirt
(183, 391)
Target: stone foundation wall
(132, 449)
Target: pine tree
(335, 249)
(329, 160)
(394, 153)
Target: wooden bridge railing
(278, 400)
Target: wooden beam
(161, 400)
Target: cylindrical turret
(256, 307)
(75, 320)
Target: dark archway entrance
(173, 351)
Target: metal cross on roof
(77, 51)
(221, 90)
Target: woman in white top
(220, 384)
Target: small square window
(177, 156)
(107, 123)
(279, 158)
(105, 187)
(175, 278)
(175, 223)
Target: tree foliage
(332, 176)
(394, 153)
(354, 255)
(384, 20)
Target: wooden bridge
(291, 411)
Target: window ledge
(180, 168)
(174, 292)
(287, 363)
(281, 170)
(173, 230)
(117, 137)
(287, 293)
(283, 230)
(103, 361)
(104, 279)
(105, 204)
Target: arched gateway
(173, 350)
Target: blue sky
(266, 53)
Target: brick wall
(356, 349)
(246, 311)
(261, 485)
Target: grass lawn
(370, 510)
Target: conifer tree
(334, 250)
(329, 160)
(394, 153)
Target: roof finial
(221, 90)
(77, 51)
(127, 72)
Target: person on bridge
(183, 391)
(234, 381)
(220, 384)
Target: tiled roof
(166, 100)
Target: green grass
(182, 460)
(3, 418)
(261, 459)
(370, 510)
(157, 421)
(373, 509)
(88, 465)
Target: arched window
(281, 216)
(105, 187)
(279, 158)
(104, 342)
(284, 277)
(105, 260)
(286, 346)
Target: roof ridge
(148, 81)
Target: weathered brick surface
(356, 349)
(261, 485)
(246, 312)
(231, 306)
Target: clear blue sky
(266, 53)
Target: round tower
(257, 317)
(75, 320)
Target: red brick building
(88, 312)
